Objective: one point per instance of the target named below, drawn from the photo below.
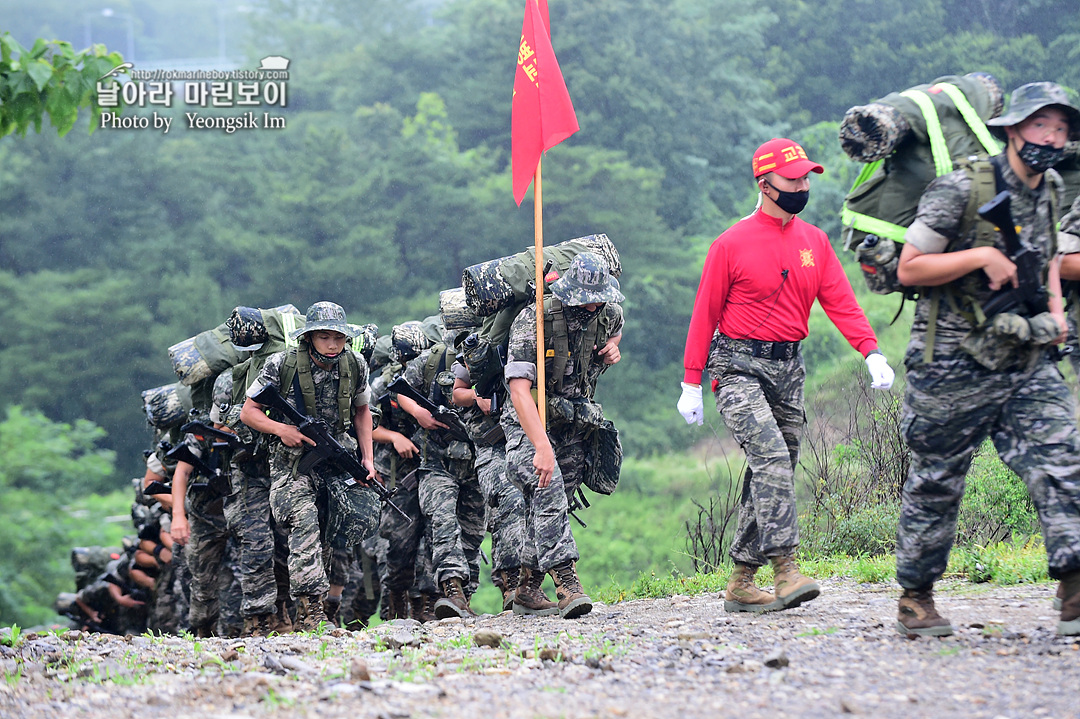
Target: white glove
(881, 374)
(690, 406)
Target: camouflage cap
(325, 316)
(246, 329)
(408, 340)
(586, 281)
(1033, 96)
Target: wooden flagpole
(538, 232)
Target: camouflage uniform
(549, 540)
(403, 538)
(1069, 243)
(449, 492)
(953, 401)
(506, 506)
(761, 401)
(352, 513)
(206, 548)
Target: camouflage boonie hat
(246, 329)
(586, 281)
(1026, 99)
(325, 316)
(408, 340)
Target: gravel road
(682, 656)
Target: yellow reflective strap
(989, 142)
(942, 162)
(288, 326)
(872, 225)
(864, 174)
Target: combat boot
(530, 597)
(573, 601)
(453, 603)
(309, 613)
(791, 587)
(280, 621)
(423, 607)
(1069, 625)
(917, 616)
(397, 605)
(742, 595)
(1059, 597)
(508, 580)
(203, 631)
(258, 625)
(332, 607)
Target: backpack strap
(295, 372)
(436, 363)
(557, 337)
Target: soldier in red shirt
(760, 279)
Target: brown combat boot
(573, 601)
(742, 595)
(453, 603)
(397, 604)
(332, 607)
(530, 597)
(309, 613)
(258, 625)
(916, 615)
(791, 587)
(203, 631)
(1069, 624)
(507, 580)
(423, 607)
(1059, 597)
(280, 621)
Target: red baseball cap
(784, 157)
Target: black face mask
(579, 315)
(323, 359)
(1040, 158)
(791, 202)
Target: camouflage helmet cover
(246, 329)
(586, 281)
(1029, 98)
(326, 316)
(366, 337)
(408, 340)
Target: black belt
(765, 350)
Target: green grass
(1004, 563)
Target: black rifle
(455, 428)
(216, 481)
(1029, 297)
(201, 428)
(487, 370)
(327, 450)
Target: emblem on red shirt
(807, 258)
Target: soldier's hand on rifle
(544, 464)
(424, 418)
(293, 437)
(999, 269)
(484, 404)
(125, 600)
(404, 446)
(610, 352)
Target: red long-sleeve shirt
(744, 292)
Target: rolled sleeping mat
(204, 356)
(496, 284)
(167, 406)
(455, 311)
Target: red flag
(542, 114)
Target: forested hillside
(392, 175)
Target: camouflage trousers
(169, 613)
(761, 402)
(950, 407)
(263, 545)
(403, 536)
(454, 508)
(206, 551)
(363, 588)
(350, 516)
(549, 540)
(506, 507)
(571, 447)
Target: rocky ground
(682, 656)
